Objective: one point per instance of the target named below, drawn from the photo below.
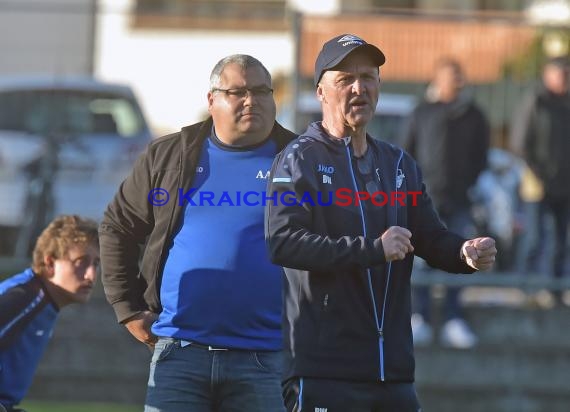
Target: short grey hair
(242, 60)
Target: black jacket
(133, 228)
(540, 134)
(450, 142)
(347, 312)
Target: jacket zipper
(388, 275)
(379, 322)
(369, 275)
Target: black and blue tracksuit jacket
(27, 318)
(346, 310)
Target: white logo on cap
(350, 39)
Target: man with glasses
(206, 298)
(348, 341)
(64, 271)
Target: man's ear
(320, 93)
(210, 101)
(49, 264)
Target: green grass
(31, 406)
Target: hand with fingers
(139, 326)
(479, 253)
(397, 243)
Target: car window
(69, 112)
(386, 124)
(386, 127)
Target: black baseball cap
(336, 49)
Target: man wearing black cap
(347, 253)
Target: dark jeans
(536, 235)
(334, 395)
(196, 379)
(461, 223)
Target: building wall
(46, 36)
(170, 69)
(413, 45)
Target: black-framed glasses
(241, 92)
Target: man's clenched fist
(480, 253)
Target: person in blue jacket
(354, 213)
(64, 271)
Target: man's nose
(250, 98)
(358, 86)
(92, 272)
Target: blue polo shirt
(218, 286)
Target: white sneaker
(421, 331)
(455, 333)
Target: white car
(391, 112)
(66, 144)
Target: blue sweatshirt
(218, 286)
(27, 318)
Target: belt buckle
(211, 348)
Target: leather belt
(207, 347)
